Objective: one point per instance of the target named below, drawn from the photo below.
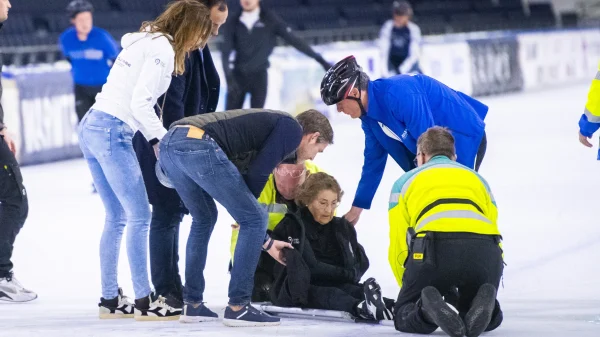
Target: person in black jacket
(228, 157)
(330, 249)
(13, 204)
(195, 92)
(252, 34)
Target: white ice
(545, 182)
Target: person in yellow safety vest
(447, 213)
(590, 119)
(279, 193)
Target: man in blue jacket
(91, 52)
(394, 113)
(193, 93)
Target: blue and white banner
(48, 122)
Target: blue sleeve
(372, 171)
(586, 127)
(62, 46)
(284, 139)
(174, 108)
(110, 46)
(414, 111)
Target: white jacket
(141, 74)
(384, 42)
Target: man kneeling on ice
(324, 269)
(449, 214)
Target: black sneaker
(479, 315)
(248, 316)
(436, 311)
(197, 313)
(118, 307)
(157, 308)
(374, 301)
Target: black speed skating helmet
(339, 80)
(79, 6)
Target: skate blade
(196, 319)
(236, 323)
(156, 318)
(115, 316)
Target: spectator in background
(252, 34)
(13, 204)
(399, 41)
(194, 92)
(91, 52)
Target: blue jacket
(90, 59)
(403, 107)
(194, 92)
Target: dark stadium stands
(39, 22)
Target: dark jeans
(164, 250)
(462, 261)
(201, 174)
(85, 97)
(254, 83)
(13, 206)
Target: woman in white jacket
(141, 73)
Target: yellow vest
(267, 200)
(440, 196)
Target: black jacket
(254, 47)
(194, 92)
(354, 261)
(1, 109)
(254, 140)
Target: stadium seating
(40, 22)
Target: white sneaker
(12, 291)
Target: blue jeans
(106, 144)
(201, 174)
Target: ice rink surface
(546, 184)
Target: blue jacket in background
(403, 107)
(194, 92)
(91, 59)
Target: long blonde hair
(188, 24)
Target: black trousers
(241, 84)
(456, 264)
(164, 250)
(343, 297)
(481, 152)
(13, 206)
(85, 97)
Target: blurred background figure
(400, 42)
(91, 52)
(252, 34)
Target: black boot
(479, 315)
(436, 311)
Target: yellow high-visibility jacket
(590, 120)
(440, 196)
(267, 200)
